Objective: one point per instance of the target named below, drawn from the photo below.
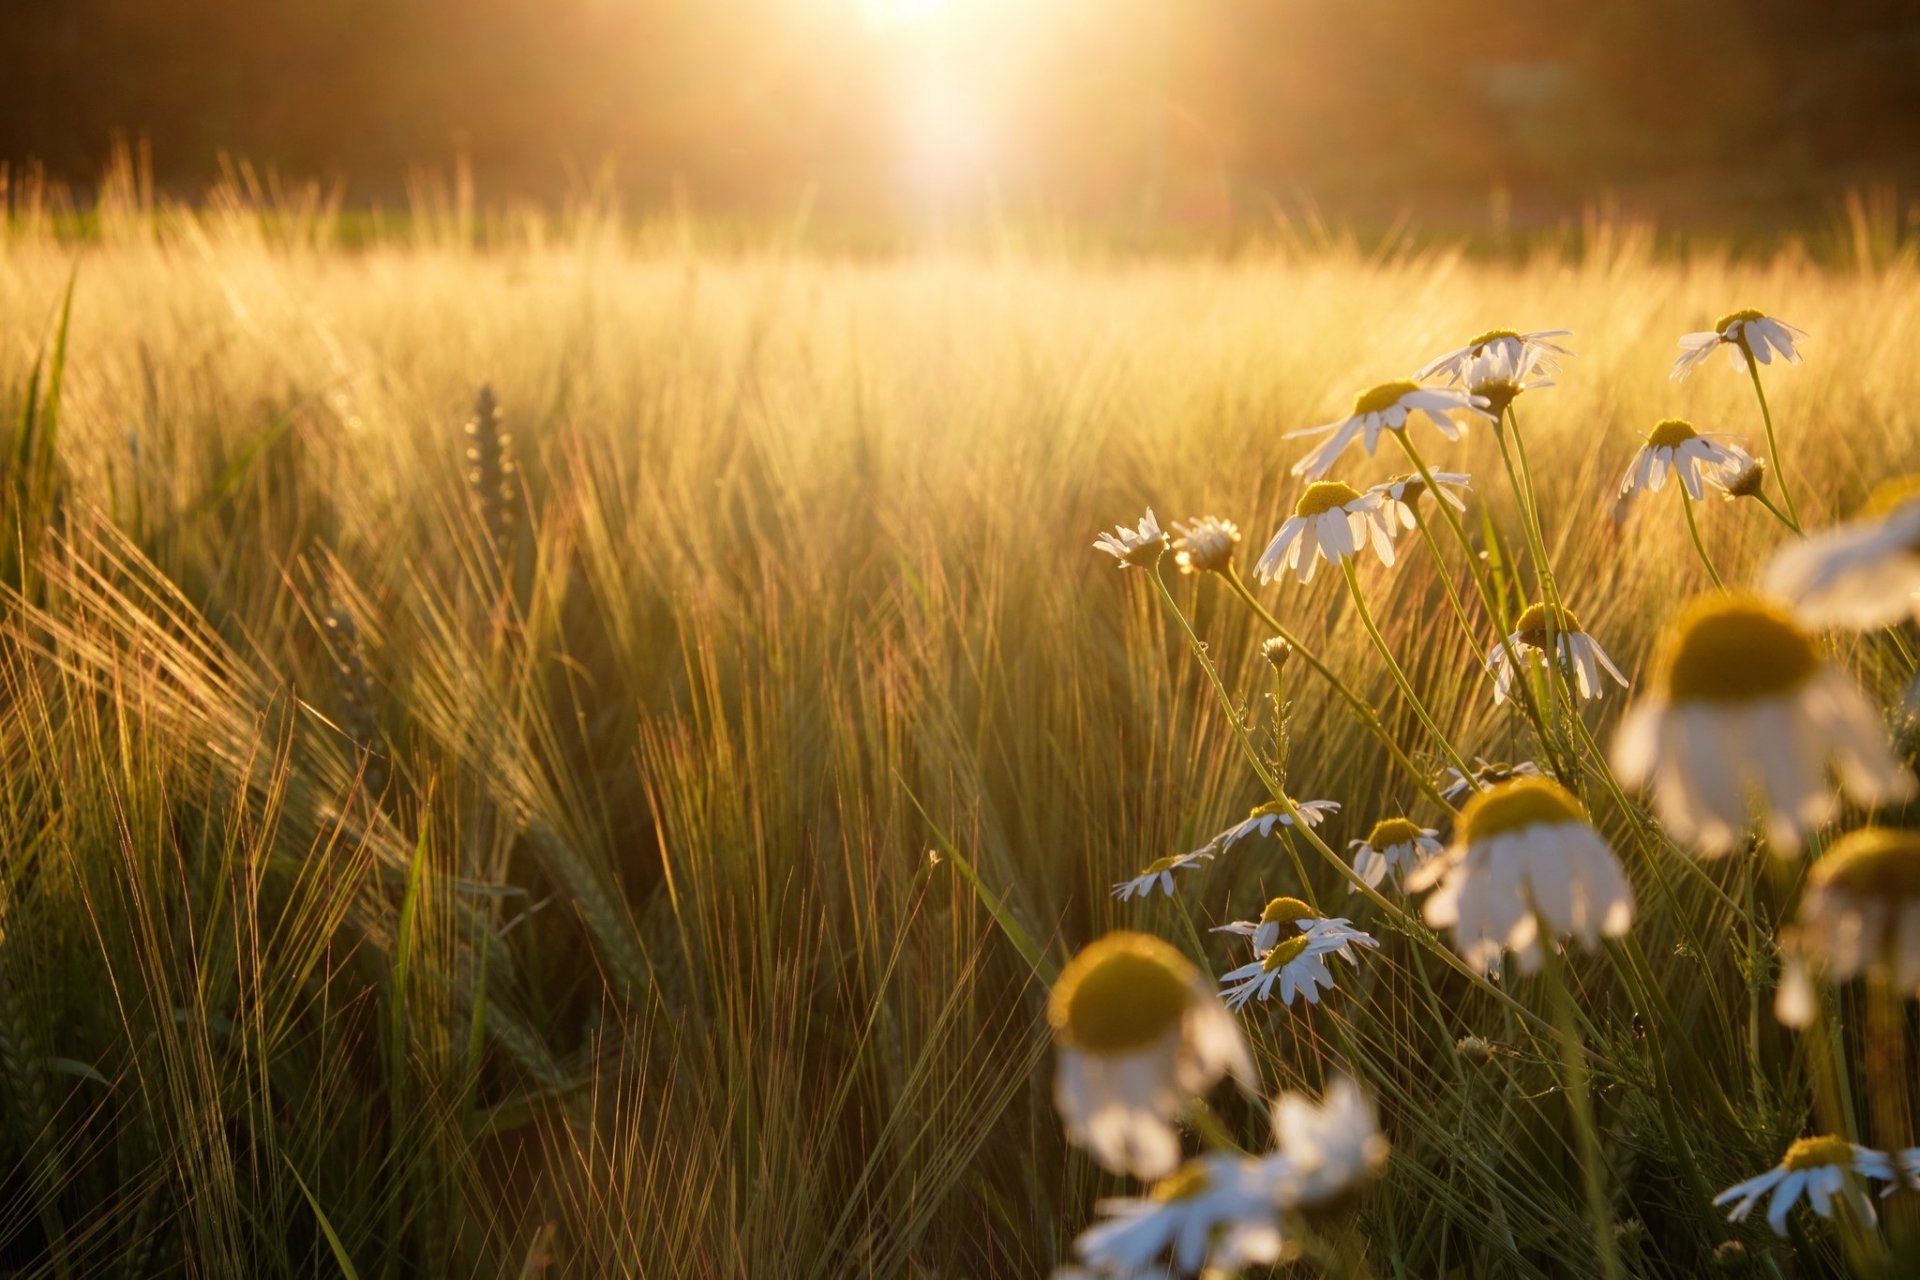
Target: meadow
(635, 835)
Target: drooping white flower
(1674, 447)
(1503, 371)
(1330, 522)
(1818, 1169)
(1580, 654)
(1158, 874)
(1515, 349)
(1140, 1033)
(1745, 718)
(1747, 334)
(1394, 844)
(1265, 817)
(1861, 910)
(1388, 407)
(1213, 1212)
(1485, 774)
(1137, 547)
(1858, 576)
(1296, 965)
(1281, 912)
(1524, 854)
(1205, 544)
(1399, 495)
(1741, 476)
(1325, 1151)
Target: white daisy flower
(1388, 407)
(1742, 476)
(1325, 1151)
(1501, 372)
(1394, 844)
(1398, 496)
(1213, 1212)
(1137, 547)
(1140, 1034)
(1516, 349)
(1281, 912)
(1205, 544)
(1157, 875)
(1747, 334)
(1580, 654)
(1524, 853)
(1818, 1169)
(1744, 715)
(1486, 773)
(1265, 817)
(1673, 446)
(1297, 966)
(1859, 576)
(1330, 522)
(1861, 911)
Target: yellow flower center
(1284, 953)
(1732, 317)
(1285, 909)
(1481, 343)
(1513, 804)
(1121, 994)
(1389, 832)
(1734, 649)
(1817, 1153)
(1531, 625)
(1384, 396)
(1184, 1183)
(1323, 496)
(1890, 495)
(1158, 865)
(1875, 863)
(1751, 478)
(1670, 432)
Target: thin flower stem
(1693, 531)
(1520, 477)
(1394, 668)
(1580, 1103)
(1778, 514)
(1773, 444)
(1363, 711)
(1446, 582)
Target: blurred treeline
(1170, 111)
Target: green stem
(1394, 669)
(1773, 444)
(1693, 531)
(1446, 581)
(1580, 1103)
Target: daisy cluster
(1743, 735)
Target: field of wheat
(627, 821)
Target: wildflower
(1394, 844)
(1140, 1033)
(1863, 574)
(1747, 335)
(1486, 773)
(1330, 522)
(1861, 910)
(1742, 476)
(1524, 854)
(1501, 372)
(1138, 547)
(1580, 654)
(1387, 407)
(1157, 875)
(1674, 446)
(1505, 344)
(1276, 651)
(1398, 495)
(1213, 1211)
(1298, 966)
(1266, 931)
(1817, 1168)
(1744, 714)
(1325, 1151)
(1205, 544)
(1263, 818)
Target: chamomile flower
(1265, 817)
(1524, 854)
(1580, 654)
(1741, 476)
(1140, 1033)
(1326, 1151)
(1501, 372)
(1861, 911)
(1746, 334)
(1138, 547)
(1674, 447)
(1297, 966)
(1744, 716)
(1486, 773)
(1157, 875)
(1398, 495)
(1510, 345)
(1330, 522)
(1861, 575)
(1817, 1168)
(1205, 544)
(1394, 844)
(1213, 1211)
(1281, 912)
(1387, 407)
